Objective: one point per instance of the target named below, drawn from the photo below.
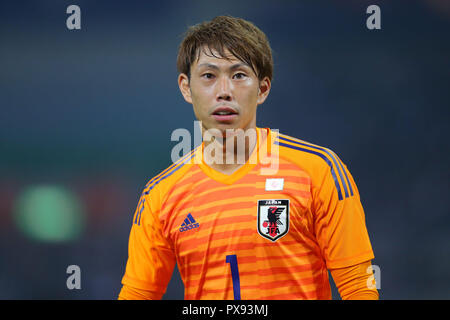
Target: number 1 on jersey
(232, 260)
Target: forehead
(212, 56)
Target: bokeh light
(49, 213)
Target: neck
(228, 152)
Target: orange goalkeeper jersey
(270, 230)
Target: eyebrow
(233, 67)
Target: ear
(264, 89)
(183, 84)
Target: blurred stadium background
(86, 118)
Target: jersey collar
(244, 169)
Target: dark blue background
(93, 110)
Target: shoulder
(310, 156)
(321, 163)
(167, 178)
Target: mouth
(224, 114)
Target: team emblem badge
(273, 218)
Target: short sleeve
(151, 259)
(339, 218)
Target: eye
(239, 76)
(207, 75)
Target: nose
(224, 89)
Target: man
(269, 226)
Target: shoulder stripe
(345, 173)
(137, 220)
(337, 162)
(169, 173)
(320, 155)
(169, 168)
(331, 154)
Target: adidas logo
(189, 223)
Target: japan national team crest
(273, 218)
